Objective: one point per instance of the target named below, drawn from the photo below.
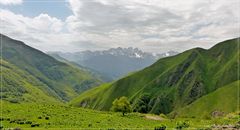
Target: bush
(28, 122)
(142, 104)
(181, 125)
(121, 105)
(35, 125)
(20, 122)
(161, 127)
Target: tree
(142, 105)
(121, 105)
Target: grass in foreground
(29, 116)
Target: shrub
(28, 122)
(182, 124)
(121, 105)
(35, 125)
(89, 125)
(141, 104)
(47, 118)
(20, 122)
(161, 127)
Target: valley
(119, 65)
(196, 89)
(173, 82)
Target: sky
(151, 25)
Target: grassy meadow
(61, 116)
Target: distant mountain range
(115, 62)
(29, 75)
(196, 82)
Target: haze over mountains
(115, 62)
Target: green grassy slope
(172, 82)
(48, 116)
(18, 86)
(225, 99)
(64, 80)
(62, 116)
(89, 102)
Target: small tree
(121, 105)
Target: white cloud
(152, 25)
(42, 23)
(75, 5)
(10, 2)
(38, 31)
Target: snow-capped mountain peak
(115, 62)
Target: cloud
(42, 23)
(155, 25)
(11, 2)
(152, 25)
(35, 31)
(103, 16)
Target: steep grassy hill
(57, 78)
(171, 83)
(18, 86)
(223, 100)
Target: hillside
(18, 86)
(57, 78)
(223, 100)
(170, 83)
